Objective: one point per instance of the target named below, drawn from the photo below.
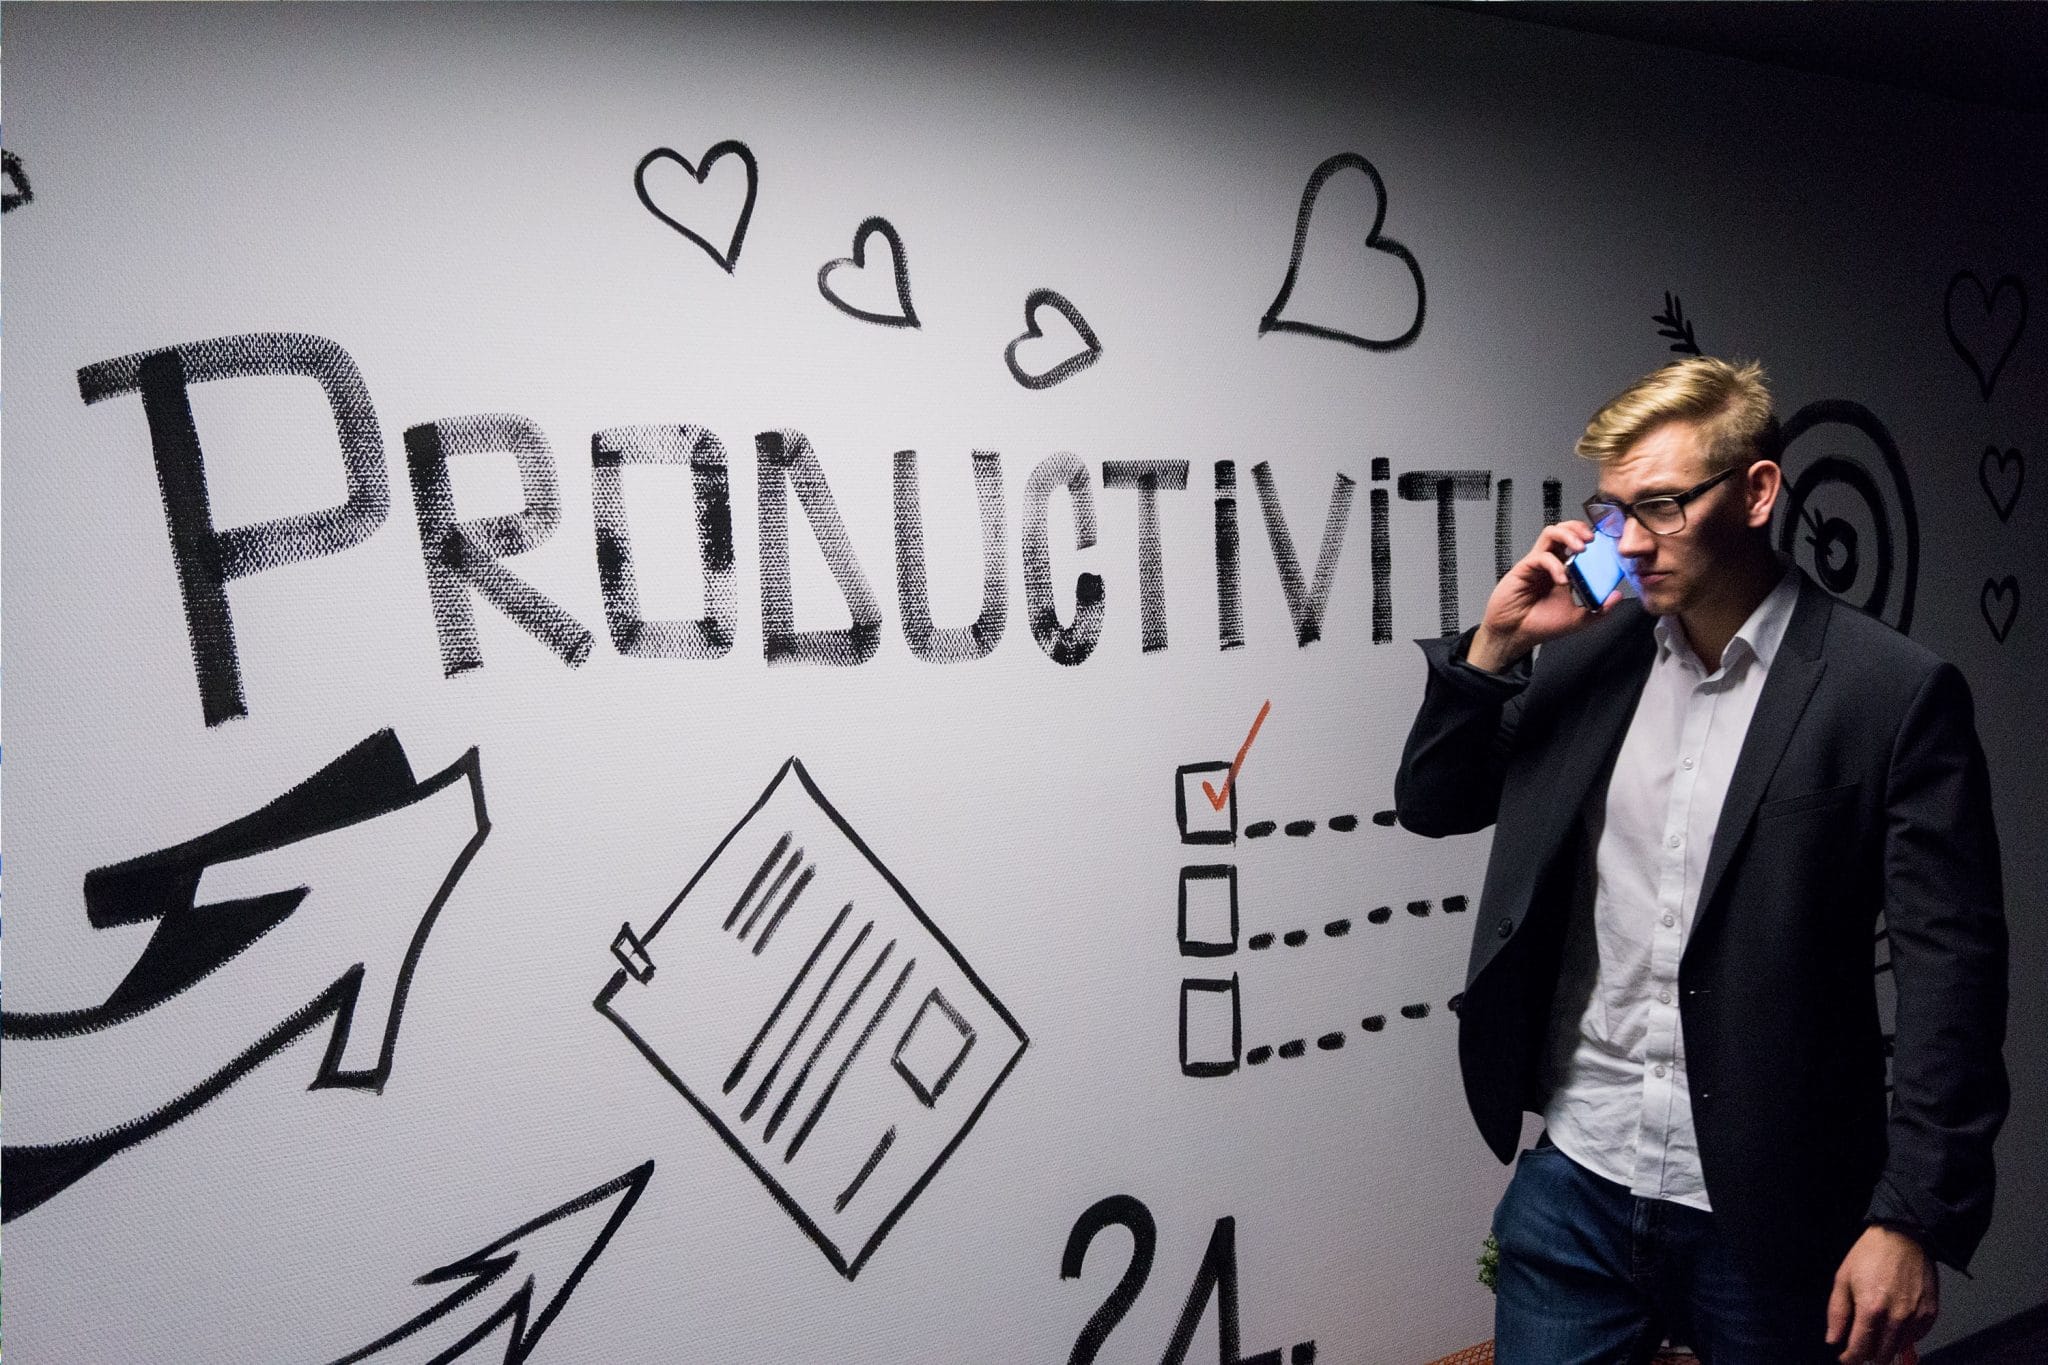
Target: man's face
(1677, 572)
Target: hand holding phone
(1540, 599)
(1595, 572)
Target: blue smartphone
(1595, 571)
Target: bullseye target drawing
(1847, 514)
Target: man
(1704, 801)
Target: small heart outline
(1997, 590)
(1987, 298)
(730, 257)
(2001, 458)
(1374, 241)
(898, 261)
(1072, 365)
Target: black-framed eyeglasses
(1660, 516)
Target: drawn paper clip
(632, 954)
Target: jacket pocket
(1815, 800)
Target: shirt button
(1686, 763)
(1507, 926)
(1663, 997)
(1672, 841)
(1670, 920)
(1660, 1071)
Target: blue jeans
(1592, 1275)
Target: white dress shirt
(1618, 1101)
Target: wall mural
(288, 491)
(1985, 327)
(210, 899)
(922, 1043)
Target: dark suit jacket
(1859, 790)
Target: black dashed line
(1335, 1040)
(1454, 905)
(1294, 938)
(1300, 829)
(1337, 928)
(1259, 829)
(1418, 908)
(1259, 942)
(1383, 818)
(1343, 824)
(1381, 915)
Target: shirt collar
(1758, 637)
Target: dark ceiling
(1992, 52)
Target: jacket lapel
(1794, 674)
(1611, 685)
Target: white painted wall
(448, 196)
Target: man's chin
(1658, 594)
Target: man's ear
(1762, 485)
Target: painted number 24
(1217, 1276)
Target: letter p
(207, 558)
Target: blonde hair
(1728, 403)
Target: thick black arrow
(486, 1266)
(191, 942)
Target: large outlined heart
(1073, 364)
(2005, 591)
(1979, 321)
(17, 192)
(898, 262)
(730, 257)
(1273, 321)
(2003, 488)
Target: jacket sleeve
(1944, 909)
(1457, 750)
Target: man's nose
(1635, 540)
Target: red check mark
(1217, 798)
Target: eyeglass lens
(1662, 515)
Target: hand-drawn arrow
(193, 940)
(551, 1255)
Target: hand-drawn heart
(858, 260)
(1374, 241)
(731, 255)
(2000, 590)
(17, 192)
(1977, 332)
(2011, 484)
(1073, 364)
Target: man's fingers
(1893, 1339)
(1840, 1305)
(1875, 1336)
